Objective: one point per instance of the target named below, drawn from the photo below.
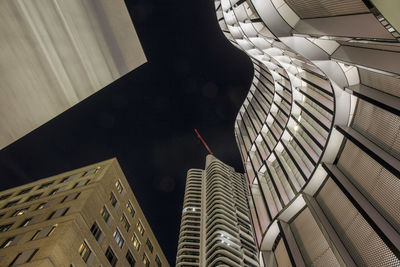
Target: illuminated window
(130, 208)
(110, 255)
(5, 227)
(125, 222)
(135, 242)
(26, 222)
(140, 228)
(84, 251)
(146, 261)
(119, 187)
(20, 212)
(41, 206)
(8, 242)
(113, 199)
(105, 214)
(118, 238)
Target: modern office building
(84, 217)
(319, 131)
(216, 226)
(54, 54)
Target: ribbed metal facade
(216, 227)
(319, 131)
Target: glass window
(130, 259)
(53, 192)
(5, 227)
(20, 212)
(84, 251)
(118, 238)
(119, 187)
(146, 261)
(95, 229)
(58, 213)
(158, 261)
(41, 206)
(125, 222)
(24, 191)
(130, 208)
(5, 196)
(65, 179)
(113, 199)
(105, 214)
(11, 203)
(45, 232)
(26, 222)
(8, 242)
(34, 197)
(140, 228)
(91, 171)
(135, 242)
(72, 196)
(24, 257)
(149, 245)
(45, 185)
(110, 255)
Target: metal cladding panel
(281, 255)
(326, 8)
(362, 242)
(360, 25)
(380, 81)
(369, 58)
(378, 125)
(380, 186)
(312, 243)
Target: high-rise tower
(54, 54)
(84, 217)
(319, 131)
(216, 227)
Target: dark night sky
(194, 78)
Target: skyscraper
(319, 131)
(55, 54)
(216, 227)
(85, 217)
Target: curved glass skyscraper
(319, 131)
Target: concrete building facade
(55, 54)
(319, 131)
(216, 226)
(85, 217)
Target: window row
(48, 184)
(43, 205)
